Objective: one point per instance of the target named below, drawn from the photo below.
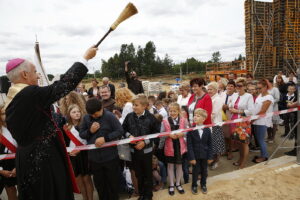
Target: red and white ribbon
(8, 141)
(163, 134)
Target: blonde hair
(201, 112)
(224, 81)
(72, 98)
(185, 86)
(213, 85)
(142, 100)
(241, 80)
(123, 95)
(175, 105)
(68, 116)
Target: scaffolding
(272, 36)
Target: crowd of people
(106, 113)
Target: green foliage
(146, 62)
(216, 57)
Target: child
(141, 122)
(8, 171)
(175, 146)
(160, 109)
(78, 158)
(98, 127)
(151, 108)
(159, 173)
(199, 150)
(289, 100)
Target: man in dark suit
(133, 83)
(199, 150)
(105, 81)
(42, 163)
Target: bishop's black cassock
(43, 166)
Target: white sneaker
(214, 166)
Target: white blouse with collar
(246, 103)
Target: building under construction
(272, 36)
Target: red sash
(72, 137)
(66, 155)
(8, 144)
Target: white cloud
(181, 29)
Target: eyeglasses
(259, 88)
(239, 86)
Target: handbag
(224, 116)
(124, 152)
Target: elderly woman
(218, 143)
(263, 105)
(222, 83)
(185, 94)
(199, 99)
(242, 104)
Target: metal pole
(283, 141)
(298, 115)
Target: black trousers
(142, 165)
(106, 179)
(200, 168)
(289, 121)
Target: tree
(216, 57)
(240, 57)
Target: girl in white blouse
(242, 104)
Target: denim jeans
(260, 132)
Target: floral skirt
(241, 132)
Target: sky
(65, 29)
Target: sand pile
(280, 180)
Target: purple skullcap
(12, 64)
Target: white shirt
(126, 110)
(246, 103)
(276, 96)
(267, 121)
(163, 113)
(183, 101)
(217, 105)
(200, 131)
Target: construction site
(272, 31)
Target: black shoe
(194, 190)
(180, 189)
(171, 192)
(147, 198)
(291, 153)
(204, 189)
